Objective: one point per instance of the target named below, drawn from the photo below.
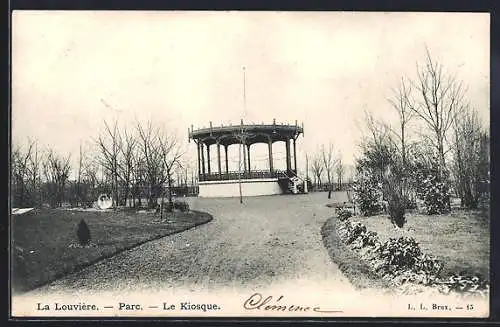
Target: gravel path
(265, 241)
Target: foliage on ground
(343, 213)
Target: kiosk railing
(235, 175)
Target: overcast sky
(71, 70)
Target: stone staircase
(290, 182)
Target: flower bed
(401, 262)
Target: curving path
(265, 241)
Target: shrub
(181, 205)
(178, 205)
(462, 284)
(371, 239)
(343, 213)
(356, 235)
(429, 264)
(354, 230)
(393, 187)
(410, 203)
(368, 238)
(436, 195)
(367, 193)
(432, 186)
(403, 257)
(168, 207)
(401, 252)
(396, 210)
(83, 233)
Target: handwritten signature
(258, 302)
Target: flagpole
(239, 165)
(244, 93)
(307, 175)
(241, 136)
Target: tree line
(327, 162)
(438, 148)
(143, 162)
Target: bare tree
(56, 169)
(35, 172)
(470, 157)
(340, 172)
(138, 175)
(329, 162)
(110, 147)
(89, 178)
(376, 140)
(128, 143)
(400, 101)
(378, 132)
(438, 100)
(317, 169)
(170, 155)
(77, 196)
(186, 171)
(152, 158)
(25, 172)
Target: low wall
(249, 187)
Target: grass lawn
(460, 239)
(43, 240)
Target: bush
(178, 205)
(410, 203)
(181, 205)
(83, 233)
(356, 234)
(167, 207)
(368, 238)
(367, 194)
(432, 186)
(354, 230)
(396, 210)
(343, 213)
(462, 284)
(436, 196)
(403, 257)
(401, 252)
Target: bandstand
(221, 182)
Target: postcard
(250, 164)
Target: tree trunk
(21, 195)
(329, 187)
(170, 202)
(115, 196)
(150, 197)
(441, 159)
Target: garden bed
(349, 262)
(459, 241)
(44, 243)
